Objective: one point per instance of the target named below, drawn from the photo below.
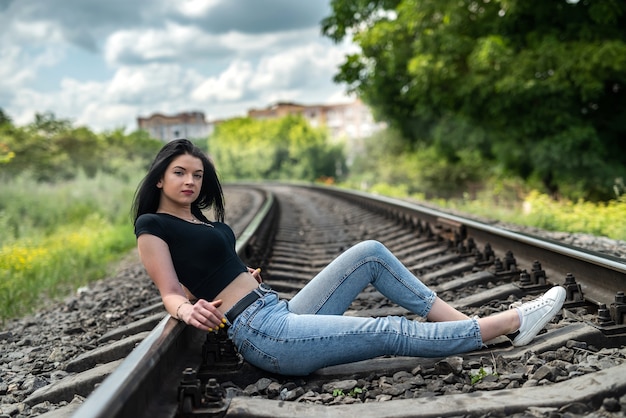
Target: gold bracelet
(178, 309)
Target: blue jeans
(310, 332)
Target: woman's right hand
(256, 273)
(203, 315)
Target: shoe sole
(534, 330)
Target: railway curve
(575, 367)
(446, 252)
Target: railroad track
(180, 371)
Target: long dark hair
(148, 194)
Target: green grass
(44, 269)
(30, 209)
(513, 205)
(55, 238)
(541, 211)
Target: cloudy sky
(102, 63)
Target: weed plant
(541, 211)
(57, 237)
(510, 203)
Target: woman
(191, 258)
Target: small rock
(251, 390)
(397, 389)
(611, 405)
(545, 372)
(343, 385)
(530, 383)
(273, 390)
(402, 376)
(9, 410)
(32, 384)
(449, 365)
(41, 408)
(290, 395)
(263, 383)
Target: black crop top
(204, 257)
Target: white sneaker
(537, 313)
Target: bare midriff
(243, 284)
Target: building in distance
(190, 125)
(349, 122)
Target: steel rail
(124, 393)
(599, 275)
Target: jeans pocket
(257, 357)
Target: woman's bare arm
(157, 260)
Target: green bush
(64, 206)
(423, 170)
(34, 270)
(474, 185)
(274, 149)
(46, 206)
(60, 236)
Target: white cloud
(20, 66)
(230, 85)
(73, 98)
(36, 31)
(151, 84)
(12, 71)
(109, 116)
(171, 43)
(285, 75)
(174, 42)
(260, 44)
(221, 57)
(298, 67)
(194, 8)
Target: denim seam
(459, 337)
(479, 337)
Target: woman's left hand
(256, 273)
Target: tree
(286, 148)
(6, 154)
(537, 87)
(52, 149)
(4, 118)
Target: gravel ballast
(40, 349)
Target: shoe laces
(534, 304)
(531, 304)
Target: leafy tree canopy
(287, 149)
(537, 86)
(51, 149)
(4, 118)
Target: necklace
(190, 220)
(196, 221)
